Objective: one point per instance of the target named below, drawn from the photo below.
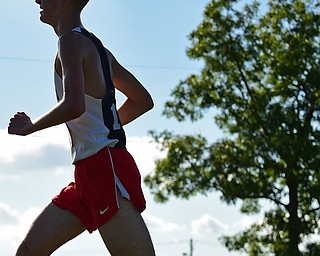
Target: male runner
(106, 194)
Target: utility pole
(190, 250)
(191, 247)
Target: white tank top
(99, 125)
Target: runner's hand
(20, 124)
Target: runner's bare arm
(138, 99)
(72, 105)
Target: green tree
(312, 249)
(261, 75)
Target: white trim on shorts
(124, 193)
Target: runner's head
(53, 11)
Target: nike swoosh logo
(104, 211)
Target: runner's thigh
(126, 233)
(51, 229)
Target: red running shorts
(92, 197)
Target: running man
(106, 193)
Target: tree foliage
(262, 76)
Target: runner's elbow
(74, 109)
(149, 104)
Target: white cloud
(245, 222)
(145, 152)
(13, 225)
(7, 215)
(45, 150)
(159, 224)
(208, 225)
(13, 145)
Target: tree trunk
(294, 221)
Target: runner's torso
(99, 126)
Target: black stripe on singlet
(110, 115)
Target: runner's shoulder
(72, 39)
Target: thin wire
(132, 66)
(24, 59)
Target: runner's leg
(126, 233)
(52, 228)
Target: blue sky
(150, 39)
